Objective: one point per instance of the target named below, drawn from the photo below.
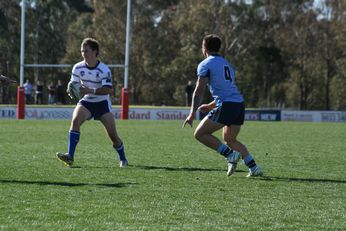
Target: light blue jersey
(221, 79)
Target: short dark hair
(92, 43)
(212, 42)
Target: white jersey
(96, 77)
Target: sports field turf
(173, 182)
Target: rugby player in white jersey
(227, 111)
(96, 81)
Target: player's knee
(75, 124)
(198, 135)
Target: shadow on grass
(90, 166)
(87, 166)
(187, 169)
(293, 179)
(101, 167)
(66, 184)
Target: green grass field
(173, 182)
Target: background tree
(331, 48)
(9, 41)
(286, 53)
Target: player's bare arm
(205, 108)
(196, 99)
(6, 80)
(96, 91)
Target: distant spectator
(188, 93)
(28, 91)
(51, 93)
(60, 92)
(39, 92)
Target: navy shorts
(97, 109)
(228, 113)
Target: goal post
(20, 89)
(124, 92)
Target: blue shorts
(97, 109)
(228, 113)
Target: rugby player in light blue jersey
(96, 81)
(227, 111)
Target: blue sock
(121, 152)
(224, 150)
(73, 138)
(250, 162)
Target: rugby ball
(73, 90)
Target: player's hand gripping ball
(73, 90)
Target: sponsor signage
(314, 116)
(51, 113)
(252, 115)
(330, 116)
(167, 113)
(154, 113)
(263, 115)
(308, 116)
(8, 112)
(47, 113)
